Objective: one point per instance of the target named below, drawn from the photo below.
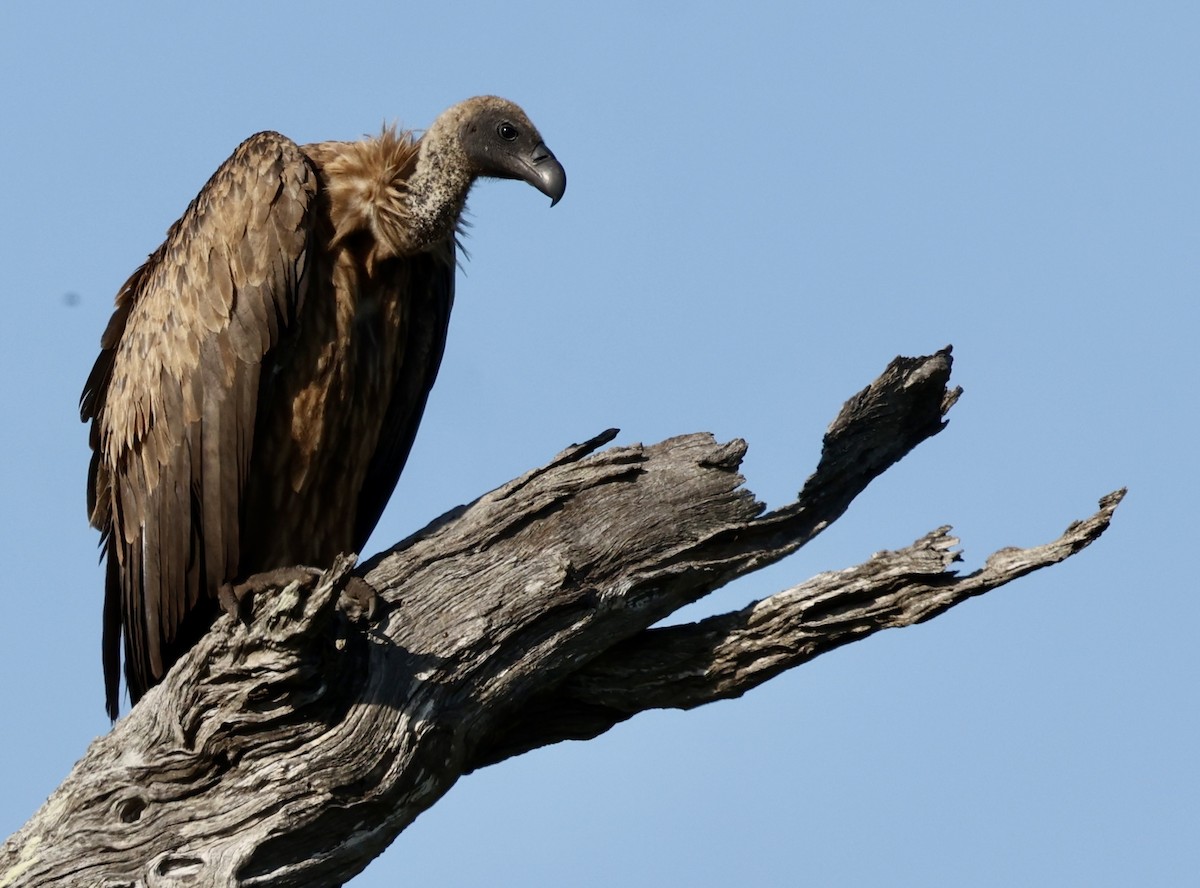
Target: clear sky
(765, 206)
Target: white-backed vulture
(262, 378)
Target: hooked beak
(546, 174)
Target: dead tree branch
(293, 747)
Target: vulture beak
(546, 174)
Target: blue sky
(765, 205)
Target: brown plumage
(261, 381)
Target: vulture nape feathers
(262, 378)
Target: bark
(292, 746)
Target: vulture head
(492, 138)
(411, 197)
(500, 142)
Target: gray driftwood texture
(291, 747)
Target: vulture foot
(237, 600)
(361, 601)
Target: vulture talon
(361, 601)
(231, 600)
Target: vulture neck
(436, 191)
(406, 196)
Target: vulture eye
(507, 131)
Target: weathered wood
(291, 747)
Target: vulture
(260, 383)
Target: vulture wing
(430, 289)
(173, 399)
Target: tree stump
(292, 746)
